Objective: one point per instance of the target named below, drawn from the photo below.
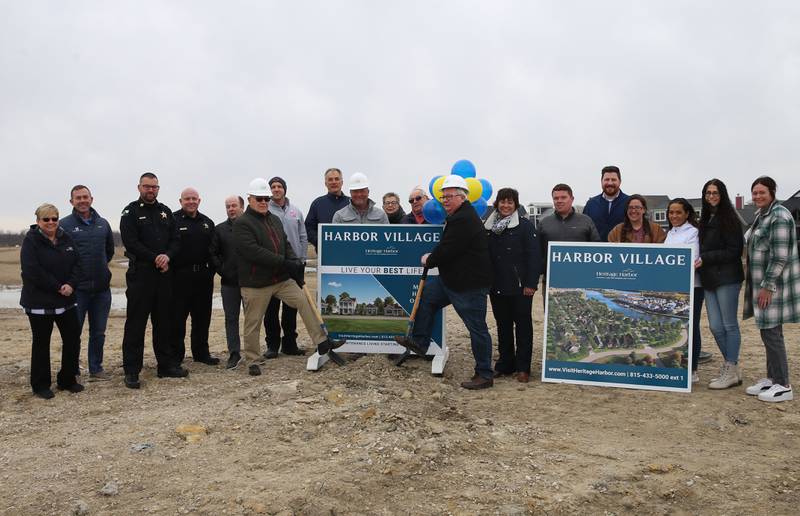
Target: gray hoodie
(293, 226)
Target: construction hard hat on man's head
(454, 181)
(358, 181)
(259, 187)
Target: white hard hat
(454, 181)
(259, 187)
(358, 181)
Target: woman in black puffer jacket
(517, 265)
(50, 273)
(721, 273)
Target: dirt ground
(372, 438)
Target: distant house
(393, 311)
(371, 309)
(347, 306)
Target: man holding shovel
(268, 267)
(465, 275)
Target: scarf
(500, 225)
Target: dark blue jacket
(95, 243)
(321, 212)
(45, 267)
(516, 256)
(604, 220)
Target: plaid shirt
(773, 264)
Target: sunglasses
(49, 219)
(415, 199)
(261, 199)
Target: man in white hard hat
(267, 267)
(465, 275)
(362, 209)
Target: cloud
(334, 284)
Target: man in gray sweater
(564, 225)
(292, 219)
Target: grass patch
(338, 325)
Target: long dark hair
(627, 227)
(724, 212)
(688, 208)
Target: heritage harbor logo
(619, 315)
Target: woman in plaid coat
(772, 293)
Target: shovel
(406, 341)
(335, 357)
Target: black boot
(328, 345)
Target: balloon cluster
(479, 193)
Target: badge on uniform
(163, 215)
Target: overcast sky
(213, 94)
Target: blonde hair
(45, 210)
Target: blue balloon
(480, 206)
(433, 211)
(463, 168)
(430, 186)
(487, 189)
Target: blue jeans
(470, 307)
(722, 305)
(97, 305)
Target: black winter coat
(45, 267)
(223, 255)
(462, 255)
(721, 252)
(516, 256)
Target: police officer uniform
(194, 285)
(147, 231)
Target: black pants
(42, 329)
(513, 315)
(288, 321)
(193, 292)
(149, 295)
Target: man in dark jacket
(151, 242)
(322, 208)
(417, 199)
(465, 275)
(267, 266)
(607, 209)
(95, 243)
(224, 258)
(194, 279)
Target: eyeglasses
(415, 199)
(260, 198)
(390, 203)
(635, 208)
(449, 196)
(712, 194)
(49, 219)
(150, 187)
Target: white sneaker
(776, 393)
(695, 378)
(728, 378)
(759, 387)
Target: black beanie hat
(280, 180)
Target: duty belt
(194, 267)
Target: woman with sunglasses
(50, 272)
(683, 230)
(720, 267)
(637, 228)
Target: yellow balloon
(475, 189)
(437, 188)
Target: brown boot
(477, 382)
(523, 377)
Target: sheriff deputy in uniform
(151, 242)
(194, 278)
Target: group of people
(260, 250)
